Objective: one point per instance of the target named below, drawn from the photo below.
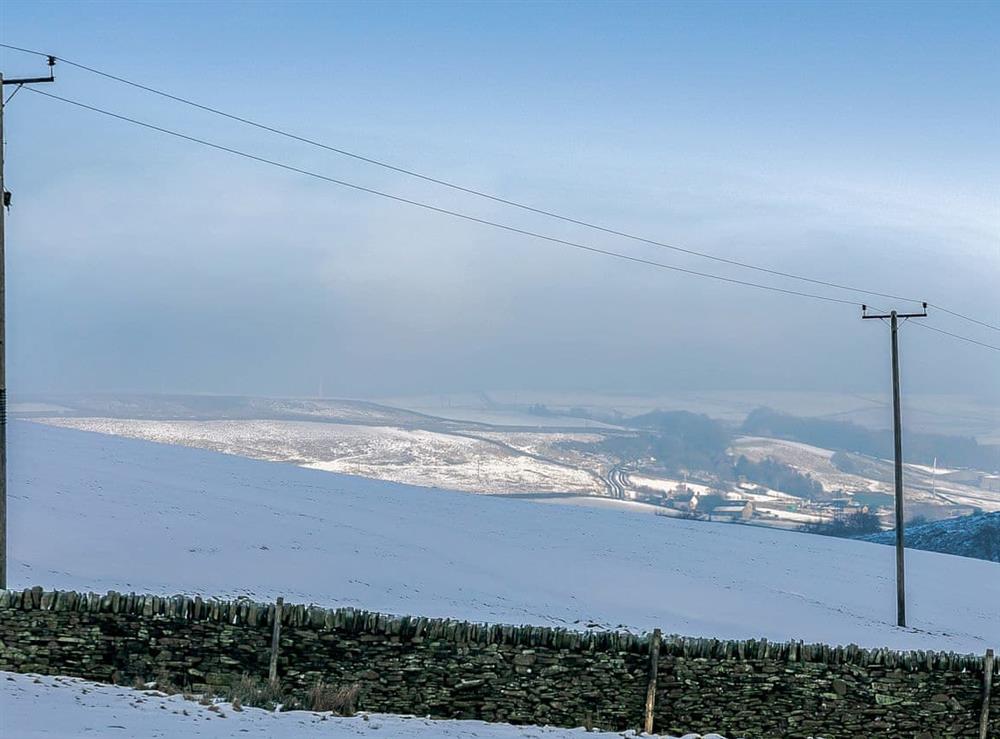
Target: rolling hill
(969, 536)
(96, 512)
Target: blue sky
(850, 141)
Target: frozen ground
(412, 447)
(486, 462)
(95, 512)
(38, 707)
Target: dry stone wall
(454, 669)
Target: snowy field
(95, 512)
(483, 463)
(66, 708)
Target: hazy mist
(138, 262)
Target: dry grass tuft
(252, 691)
(165, 684)
(342, 701)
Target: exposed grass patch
(256, 692)
(252, 691)
(342, 701)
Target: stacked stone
(528, 674)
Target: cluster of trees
(684, 441)
(849, 526)
(976, 535)
(951, 451)
(539, 409)
(985, 542)
(676, 440)
(778, 476)
(858, 464)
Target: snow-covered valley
(97, 512)
(562, 455)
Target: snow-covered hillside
(66, 708)
(96, 512)
(480, 461)
(924, 486)
(968, 536)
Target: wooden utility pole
(897, 432)
(3, 319)
(984, 714)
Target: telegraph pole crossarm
(897, 432)
(5, 195)
(34, 80)
(866, 314)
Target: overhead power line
(939, 330)
(476, 219)
(489, 196)
(443, 211)
(469, 190)
(957, 336)
(970, 319)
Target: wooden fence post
(654, 659)
(272, 674)
(984, 717)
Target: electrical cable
(437, 209)
(462, 188)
